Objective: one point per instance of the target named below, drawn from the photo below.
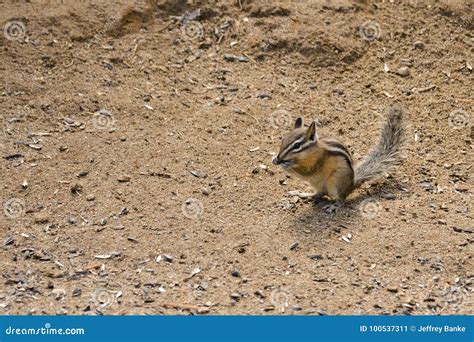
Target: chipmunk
(327, 165)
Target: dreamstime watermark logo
(14, 30)
(192, 30)
(370, 208)
(280, 119)
(370, 30)
(47, 329)
(192, 208)
(280, 298)
(458, 119)
(103, 119)
(14, 208)
(103, 297)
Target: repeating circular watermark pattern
(192, 208)
(458, 119)
(370, 208)
(103, 119)
(103, 297)
(370, 30)
(280, 298)
(14, 30)
(280, 119)
(192, 30)
(455, 293)
(14, 208)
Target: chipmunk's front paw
(300, 194)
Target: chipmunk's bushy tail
(387, 153)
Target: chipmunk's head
(296, 145)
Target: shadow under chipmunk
(370, 204)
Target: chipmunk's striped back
(336, 148)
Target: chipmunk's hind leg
(339, 186)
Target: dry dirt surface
(136, 145)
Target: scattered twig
(185, 307)
(422, 90)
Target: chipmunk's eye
(296, 145)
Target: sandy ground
(136, 145)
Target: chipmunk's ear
(311, 132)
(299, 122)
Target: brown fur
(328, 174)
(327, 165)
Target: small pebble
(233, 58)
(105, 112)
(103, 222)
(347, 238)
(72, 220)
(59, 293)
(235, 296)
(82, 173)
(76, 292)
(61, 312)
(403, 71)
(391, 288)
(167, 257)
(388, 196)
(199, 174)
(264, 96)
(41, 217)
(294, 246)
(235, 273)
(90, 197)
(76, 189)
(124, 178)
(419, 45)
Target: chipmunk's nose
(275, 160)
